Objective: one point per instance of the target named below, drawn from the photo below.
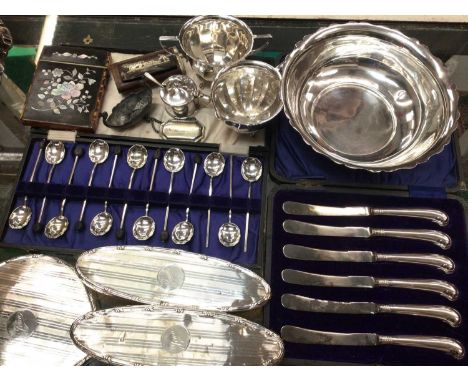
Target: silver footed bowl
(216, 40)
(246, 95)
(369, 97)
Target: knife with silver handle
(315, 337)
(439, 312)
(299, 252)
(295, 208)
(443, 288)
(301, 228)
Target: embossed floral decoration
(65, 90)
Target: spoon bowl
(174, 160)
(251, 169)
(144, 228)
(98, 151)
(20, 217)
(101, 223)
(56, 227)
(229, 234)
(214, 164)
(136, 156)
(54, 152)
(182, 232)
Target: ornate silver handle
(431, 259)
(163, 39)
(265, 44)
(445, 344)
(436, 237)
(439, 312)
(437, 216)
(444, 288)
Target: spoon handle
(208, 220)
(164, 234)
(247, 217)
(33, 173)
(90, 182)
(44, 199)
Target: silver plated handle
(439, 312)
(163, 39)
(445, 344)
(267, 37)
(436, 216)
(438, 238)
(443, 288)
(443, 263)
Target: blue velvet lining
(390, 324)
(137, 198)
(295, 160)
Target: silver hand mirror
(183, 231)
(229, 233)
(174, 160)
(144, 226)
(21, 215)
(213, 166)
(251, 171)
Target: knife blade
(306, 304)
(443, 288)
(296, 334)
(296, 208)
(299, 252)
(301, 228)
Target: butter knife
(305, 304)
(295, 208)
(306, 336)
(301, 228)
(299, 252)
(443, 288)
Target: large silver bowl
(369, 97)
(246, 95)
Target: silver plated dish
(40, 298)
(153, 275)
(157, 336)
(213, 42)
(246, 95)
(369, 97)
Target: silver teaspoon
(21, 215)
(251, 171)
(58, 225)
(174, 160)
(183, 231)
(213, 166)
(229, 233)
(102, 222)
(98, 153)
(136, 159)
(144, 226)
(54, 154)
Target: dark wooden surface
(140, 34)
(26, 30)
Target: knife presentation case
(302, 175)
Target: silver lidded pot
(214, 42)
(179, 94)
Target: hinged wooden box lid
(67, 89)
